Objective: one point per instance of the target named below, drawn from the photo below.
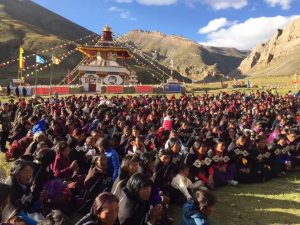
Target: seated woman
(262, 160)
(20, 129)
(20, 197)
(104, 211)
(4, 193)
(138, 147)
(37, 138)
(146, 163)
(134, 202)
(55, 132)
(42, 173)
(163, 171)
(113, 162)
(282, 158)
(224, 172)
(173, 139)
(18, 147)
(176, 156)
(294, 145)
(240, 155)
(56, 195)
(96, 182)
(129, 166)
(196, 212)
(199, 164)
(62, 166)
(78, 151)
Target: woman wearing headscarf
(96, 182)
(134, 202)
(104, 211)
(4, 193)
(21, 197)
(129, 166)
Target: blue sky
(230, 23)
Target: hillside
(34, 27)
(189, 58)
(278, 56)
(22, 22)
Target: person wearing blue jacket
(196, 211)
(37, 125)
(113, 162)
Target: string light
(4, 64)
(134, 50)
(83, 61)
(62, 57)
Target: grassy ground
(276, 202)
(282, 84)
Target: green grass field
(282, 84)
(276, 202)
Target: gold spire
(107, 28)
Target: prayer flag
(21, 64)
(39, 59)
(55, 60)
(295, 80)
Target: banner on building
(144, 89)
(115, 89)
(172, 88)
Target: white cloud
(248, 34)
(151, 2)
(126, 15)
(157, 2)
(190, 3)
(115, 9)
(124, 1)
(215, 4)
(215, 25)
(123, 13)
(285, 4)
(225, 4)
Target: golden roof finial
(107, 28)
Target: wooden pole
(51, 77)
(35, 77)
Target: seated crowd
(124, 160)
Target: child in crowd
(182, 186)
(196, 211)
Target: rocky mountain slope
(279, 56)
(189, 58)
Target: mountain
(25, 23)
(189, 58)
(279, 56)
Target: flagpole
(35, 76)
(51, 74)
(297, 81)
(20, 62)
